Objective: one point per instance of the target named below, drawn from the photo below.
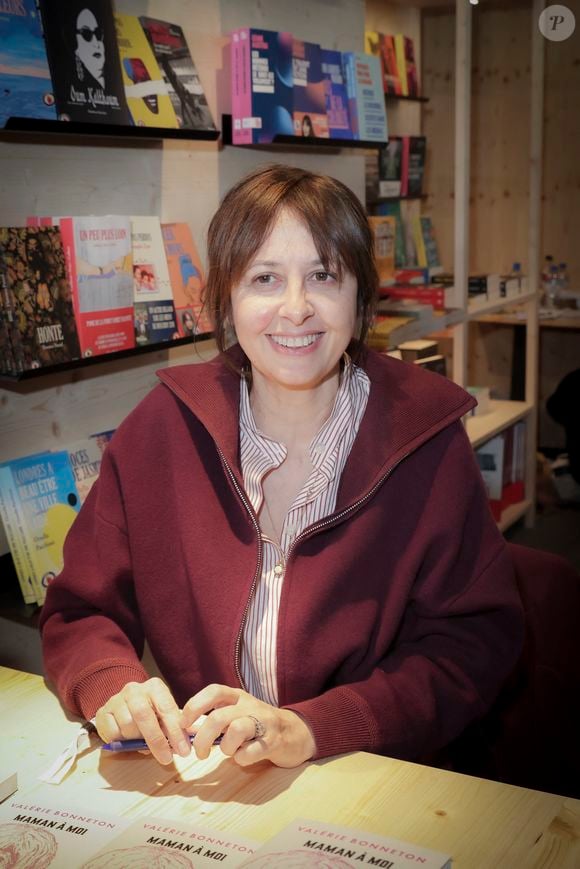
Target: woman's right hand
(145, 710)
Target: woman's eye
(264, 280)
(324, 277)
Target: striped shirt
(259, 454)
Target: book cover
(308, 90)
(186, 276)
(100, 270)
(161, 842)
(419, 242)
(84, 61)
(401, 63)
(430, 243)
(145, 90)
(434, 296)
(421, 348)
(391, 167)
(25, 85)
(15, 530)
(312, 843)
(85, 460)
(41, 316)
(366, 102)
(336, 95)
(414, 148)
(384, 234)
(411, 67)
(179, 73)
(262, 85)
(42, 833)
(49, 501)
(152, 295)
(391, 78)
(394, 209)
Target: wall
(175, 180)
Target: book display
(309, 91)
(154, 310)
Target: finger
(107, 726)
(128, 726)
(210, 697)
(240, 731)
(252, 752)
(146, 720)
(169, 715)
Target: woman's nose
(296, 305)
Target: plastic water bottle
(545, 274)
(552, 288)
(563, 279)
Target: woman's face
(90, 46)
(293, 319)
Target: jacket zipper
(313, 529)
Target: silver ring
(259, 729)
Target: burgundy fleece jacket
(399, 616)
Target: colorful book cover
(42, 322)
(85, 459)
(411, 67)
(84, 61)
(186, 276)
(100, 270)
(14, 528)
(179, 73)
(309, 92)
(384, 233)
(313, 843)
(336, 95)
(49, 502)
(401, 63)
(430, 243)
(391, 167)
(394, 209)
(154, 309)
(391, 77)
(40, 833)
(262, 100)
(419, 243)
(146, 92)
(25, 86)
(414, 149)
(366, 101)
(171, 844)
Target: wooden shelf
(488, 306)
(512, 513)
(380, 199)
(502, 414)
(34, 373)
(283, 142)
(39, 127)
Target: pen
(138, 744)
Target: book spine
(14, 526)
(68, 244)
(244, 133)
(427, 296)
(401, 63)
(405, 165)
(419, 243)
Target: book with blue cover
(309, 106)
(366, 102)
(336, 95)
(25, 85)
(262, 85)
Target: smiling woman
(322, 573)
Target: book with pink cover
(186, 276)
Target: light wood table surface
(484, 825)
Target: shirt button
(278, 570)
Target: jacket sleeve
(459, 639)
(92, 638)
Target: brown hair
(333, 214)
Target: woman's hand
(286, 740)
(146, 711)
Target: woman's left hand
(251, 730)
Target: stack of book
(74, 287)
(94, 65)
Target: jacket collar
(406, 407)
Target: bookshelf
(282, 142)
(43, 128)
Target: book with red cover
(99, 268)
(391, 77)
(434, 296)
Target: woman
(297, 528)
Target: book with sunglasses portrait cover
(84, 61)
(146, 91)
(37, 297)
(25, 86)
(179, 73)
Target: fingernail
(165, 757)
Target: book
(391, 167)
(308, 90)
(490, 458)
(37, 297)
(366, 104)
(14, 529)
(186, 277)
(394, 210)
(419, 241)
(145, 90)
(434, 363)
(384, 234)
(8, 784)
(336, 95)
(262, 85)
(413, 89)
(432, 259)
(179, 73)
(39, 832)
(421, 348)
(428, 295)
(25, 85)
(84, 61)
(49, 501)
(85, 459)
(154, 310)
(413, 165)
(316, 843)
(391, 77)
(371, 176)
(163, 842)
(401, 63)
(99, 267)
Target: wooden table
(484, 825)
